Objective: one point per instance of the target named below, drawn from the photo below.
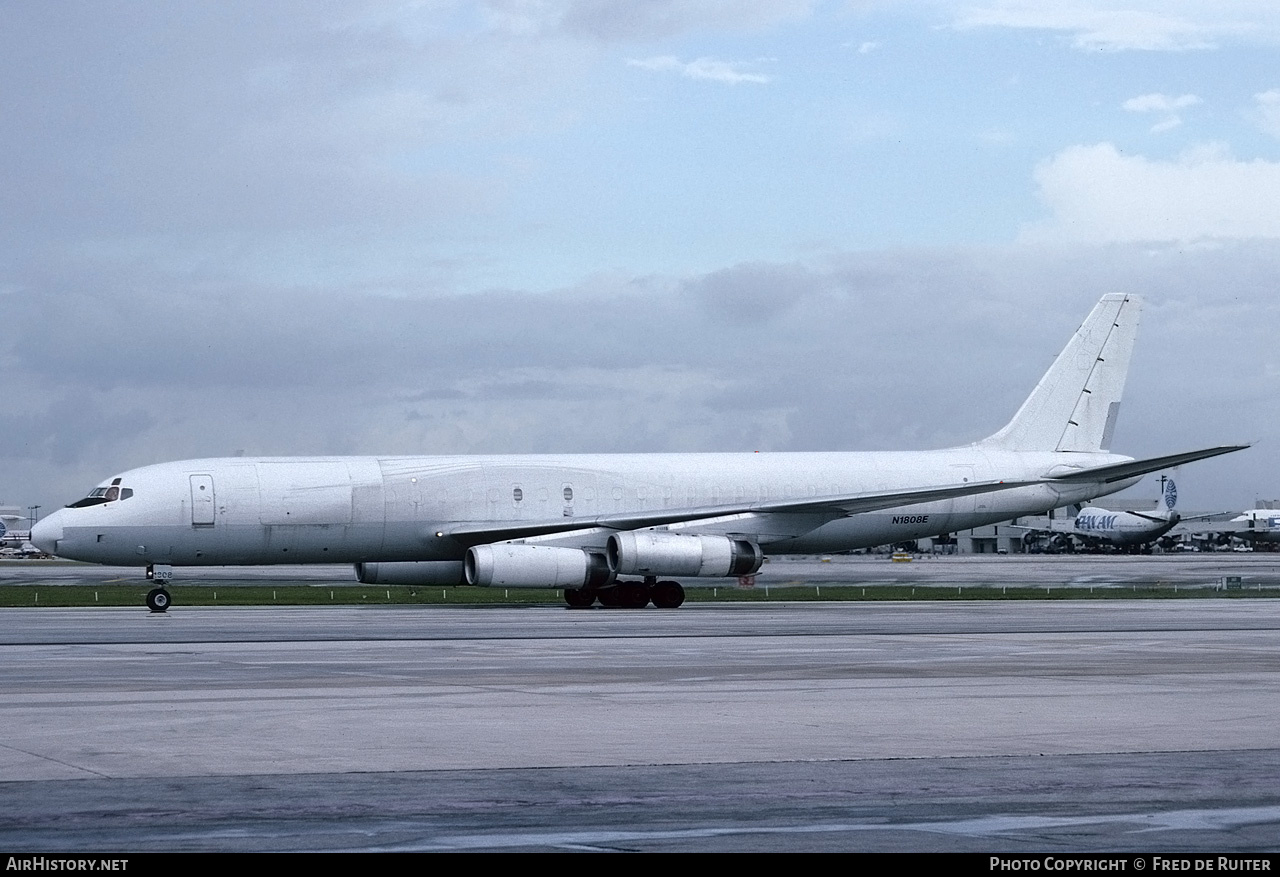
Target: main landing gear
(627, 595)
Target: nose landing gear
(157, 600)
(158, 597)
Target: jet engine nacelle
(445, 573)
(662, 553)
(534, 566)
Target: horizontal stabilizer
(1155, 519)
(1134, 468)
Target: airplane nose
(45, 534)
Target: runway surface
(989, 726)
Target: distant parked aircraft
(9, 533)
(1259, 525)
(1094, 525)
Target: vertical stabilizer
(1074, 407)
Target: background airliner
(585, 523)
(13, 541)
(1259, 525)
(1096, 525)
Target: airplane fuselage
(1258, 525)
(1121, 528)
(228, 511)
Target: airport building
(992, 539)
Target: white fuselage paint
(360, 509)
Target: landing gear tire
(625, 595)
(634, 595)
(158, 600)
(667, 595)
(580, 598)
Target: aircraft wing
(816, 511)
(857, 503)
(1232, 528)
(1133, 468)
(1207, 516)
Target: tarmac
(987, 726)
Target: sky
(548, 226)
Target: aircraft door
(202, 501)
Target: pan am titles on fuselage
(618, 529)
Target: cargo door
(202, 501)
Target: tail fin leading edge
(1074, 407)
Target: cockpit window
(97, 496)
(100, 495)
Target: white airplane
(1097, 525)
(9, 535)
(1260, 525)
(1254, 525)
(584, 522)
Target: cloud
(881, 350)
(301, 115)
(708, 69)
(1159, 103)
(1268, 111)
(754, 294)
(658, 19)
(1149, 25)
(1164, 104)
(1096, 193)
(264, 227)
